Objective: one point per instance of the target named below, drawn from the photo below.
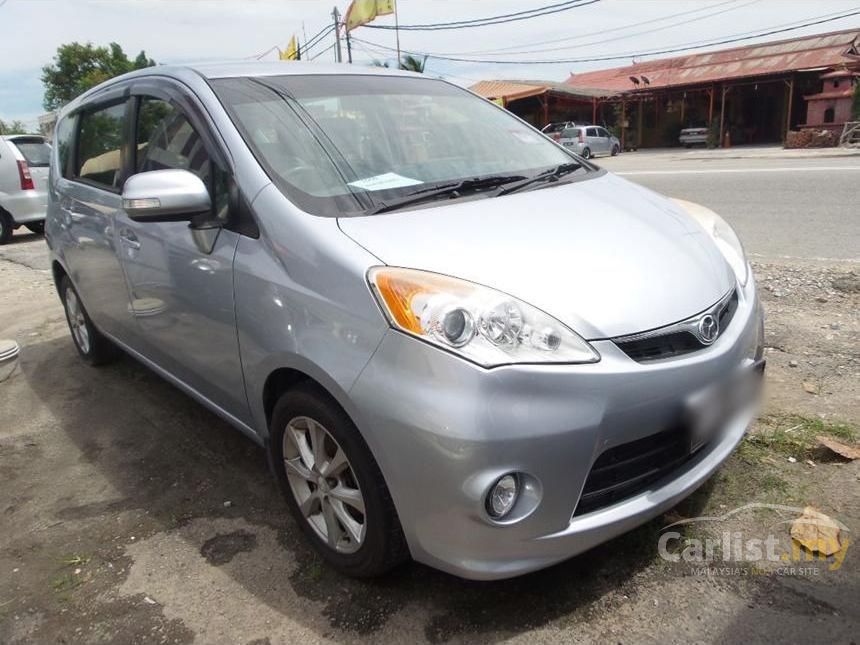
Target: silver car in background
(689, 137)
(590, 141)
(455, 340)
(24, 161)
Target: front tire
(7, 226)
(615, 150)
(333, 486)
(92, 346)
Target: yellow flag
(361, 12)
(292, 50)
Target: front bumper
(443, 430)
(26, 206)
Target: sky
(180, 31)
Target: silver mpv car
(456, 340)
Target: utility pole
(348, 46)
(337, 54)
(397, 33)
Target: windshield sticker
(385, 182)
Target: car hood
(602, 255)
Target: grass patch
(70, 575)
(790, 436)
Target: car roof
(233, 69)
(281, 68)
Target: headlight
(723, 235)
(481, 324)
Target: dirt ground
(130, 514)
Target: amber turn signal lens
(398, 292)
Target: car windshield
(344, 144)
(35, 151)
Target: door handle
(129, 239)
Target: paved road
(782, 208)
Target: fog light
(502, 497)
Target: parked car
(473, 347)
(24, 160)
(692, 136)
(590, 141)
(554, 130)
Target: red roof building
(749, 94)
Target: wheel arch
(59, 272)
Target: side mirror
(165, 196)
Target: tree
(413, 63)
(78, 67)
(407, 62)
(12, 127)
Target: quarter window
(100, 145)
(63, 141)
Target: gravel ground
(133, 515)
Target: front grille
(674, 340)
(628, 469)
(656, 347)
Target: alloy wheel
(77, 321)
(324, 485)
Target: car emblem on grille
(709, 329)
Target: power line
(611, 57)
(492, 20)
(589, 34)
(628, 35)
(318, 54)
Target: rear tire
(586, 153)
(374, 542)
(7, 225)
(93, 347)
(36, 227)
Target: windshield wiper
(453, 189)
(551, 175)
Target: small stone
(834, 326)
(228, 504)
(792, 363)
(792, 460)
(148, 600)
(810, 388)
(821, 299)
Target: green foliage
(413, 64)
(12, 127)
(408, 63)
(78, 67)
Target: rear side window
(100, 142)
(63, 141)
(591, 132)
(570, 133)
(35, 151)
